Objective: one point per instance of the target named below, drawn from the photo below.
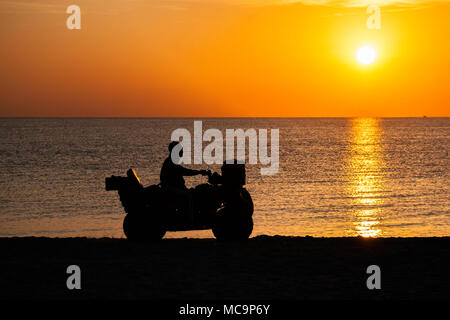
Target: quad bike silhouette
(222, 204)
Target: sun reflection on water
(365, 170)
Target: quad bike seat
(133, 178)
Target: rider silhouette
(172, 173)
(171, 177)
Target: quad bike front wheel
(143, 227)
(234, 222)
(229, 225)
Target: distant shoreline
(264, 267)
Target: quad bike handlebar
(206, 173)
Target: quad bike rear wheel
(143, 227)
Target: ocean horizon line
(236, 117)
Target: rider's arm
(190, 172)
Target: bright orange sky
(147, 58)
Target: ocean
(386, 177)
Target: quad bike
(222, 204)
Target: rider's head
(177, 144)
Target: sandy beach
(262, 268)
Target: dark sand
(261, 268)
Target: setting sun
(366, 55)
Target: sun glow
(366, 55)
